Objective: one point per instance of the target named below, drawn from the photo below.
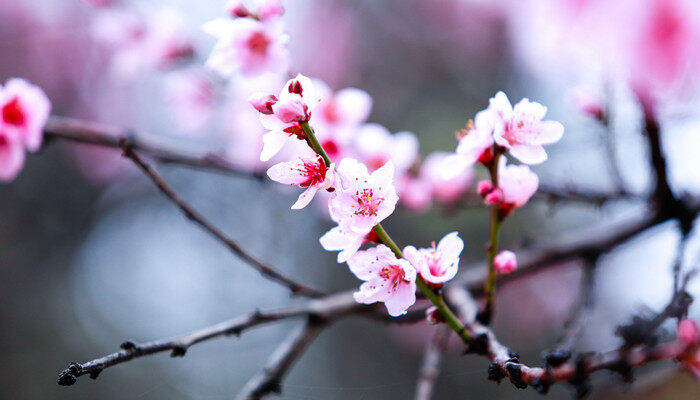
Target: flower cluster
(24, 109)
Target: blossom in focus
(345, 240)
(247, 45)
(293, 107)
(517, 183)
(387, 279)
(375, 146)
(437, 264)
(312, 174)
(363, 200)
(505, 262)
(520, 129)
(24, 109)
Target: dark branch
(430, 367)
(194, 216)
(573, 194)
(78, 131)
(269, 380)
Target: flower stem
(492, 248)
(450, 319)
(314, 143)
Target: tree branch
(573, 194)
(269, 379)
(90, 133)
(430, 367)
(194, 216)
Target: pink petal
(305, 198)
(549, 132)
(272, 144)
(450, 247)
(289, 173)
(529, 154)
(401, 299)
(354, 105)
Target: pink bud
(295, 87)
(237, 9)
(484, 187)
(262, 102)
(433, 316)
(505, 262)
(493, 197)
(291, 109)
(688, 331)
(270, 9)
(589, 104)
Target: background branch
(194, 216)
(430, 366)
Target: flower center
(12, 113)
(315, 172)
(367, 202)
(394, 274)
(258, 43)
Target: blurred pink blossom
(375, 146)
(24, 109)
(517, 182)
(505, 262)
(191, 96)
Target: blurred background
(91, 254)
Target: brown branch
(430, 367)
(573, 194)
(90, 133)
(269, 379)
(194, 216)
(326, 308)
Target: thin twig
(582, 310)
(193, 215)
(269, 379)
(430, 367)
(575, 194)
(91, 133)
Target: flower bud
(291, 109)
(433, 316)
(237, 9)
(270, 9)
(484, 187)
(688, 331)
(493, 197)
(262, 102)
(505, 262)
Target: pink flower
(414, 192)
(24, 109)
(505, 262)
(269, 9)
(387, 279)
(484, 187)
(364, 200)
(11, 154)
(493, 197)
(191, 95)
(248, 46)
(346, 241)
(517, 183)
(262, 102)
(312, 174)
(437, 265)
(688, 331)
(475, 145)
(375, 145)
(520, 129)
(293, 107)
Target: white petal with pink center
(313, 174)
(25, 109)
(437, 264)
(517, 183)
(521, 129)
(363, 199)
(387, 279)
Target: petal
(372, 291)
(290, 173)
(305, 198)
(549, 132)
(401, 299)
(272, 144)
(219, 27)
(365, 264)
(452, 166)
(384, 176)
(500, 105)
(531, 109)
(354, 105)
(11, 158)
(362, 223)
(529, 154)
(416, 258)
(404, 150)
(271, 122)
(450, 247)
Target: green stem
(450, 319)
(313, 141)
(492, 249)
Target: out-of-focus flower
(414, 192)
(11, 154)
(588, 103)
(493, 197)
(264, 10)
(346, 241)
(262, 102)
(517, 182)
(269, 9)
(375, 145)
(248, 46)
(688, 331)
(24, 109)
(293, 107)
(505, 262)
(444, 190)
(363, 200)
(437, 264)
(520, 129)
(191, 96)
(387, 279)
(101, 3)
(484, 187)
(312, 174)
(139, 45)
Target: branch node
(556, 357)
(128, 346)
(178, 351)
(69, 376)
